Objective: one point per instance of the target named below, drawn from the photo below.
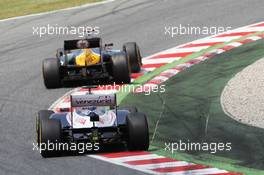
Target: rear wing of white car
(93, 100)
(80, 101)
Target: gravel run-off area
(243, 96)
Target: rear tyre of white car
(137, 131)
(51, 73)
(120, 68)
(49, 135)
(42, 115)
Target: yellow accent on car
(87, 57)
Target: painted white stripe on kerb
(124, 164)
(149, 69)
(160, 77)
(217, 51)
(235, 44)
(249, 29)
(187, 49)
(255, 38)
(139, 157)
(160, 60)
(216, 39)
(184, 65)
(201, 58)
(171, 71)
(165, 165)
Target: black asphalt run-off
(22, 91)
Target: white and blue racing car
(93, 118)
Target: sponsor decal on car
(92, 100)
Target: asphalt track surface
(22, 92)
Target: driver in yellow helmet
(83, 57)
(87, 57)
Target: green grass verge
(12, 8)
(193, 95)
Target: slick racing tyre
(120, 68)
(137, 130)
(134, 56)
(49, 136)
(51, 73)
(42, 115)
